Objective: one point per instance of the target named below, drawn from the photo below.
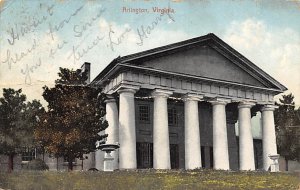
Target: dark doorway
(203, 164)
(257, 145)
(144, 155)
(207, 157)
(174, 155)
(211, 156)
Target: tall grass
(147, 179)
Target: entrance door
(144, 155)
(174, 154)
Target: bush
(37, 164)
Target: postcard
(158, 51)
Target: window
(172, 116)
(144, 113)
(28, 154)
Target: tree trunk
(70, 165)
(286, 164)
(56, 163)
(10, 162)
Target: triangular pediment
(203, 61)
(206, 57)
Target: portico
(202, 78)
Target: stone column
(220, 143)
(192, 132)
(112, 117)
(127, 133)
(268, 134)
(161, 144)
(245, 137)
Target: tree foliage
(75, 117)
(287, 135)
(70, 77)
(17, 122)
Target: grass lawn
(147, 179)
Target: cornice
(193, 77)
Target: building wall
(4, 163)
(292, 165)
(52, 162)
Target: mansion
(176, 107)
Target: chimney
(86, 67)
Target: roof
(210, 38)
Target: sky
(39, 36)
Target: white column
(220, 143)
(161, 144)
(127, 133)
(268, 134)
(245, 137)
(192, 132)
(112, 117)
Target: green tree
(75, 116)
(285, 118)
(34, 110)
(17, 122)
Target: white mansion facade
(176, 106)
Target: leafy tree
(285, 118)
(17, 121)
(32, 117)
(75, 116)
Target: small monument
(108, 159)
(275, 165)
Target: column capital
(269, 107)
(194, 97)
(161, 93)
(109, 98)
(127, 88)
(246, 104)
(219, 101)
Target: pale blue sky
(266, 32)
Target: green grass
(148, 179)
